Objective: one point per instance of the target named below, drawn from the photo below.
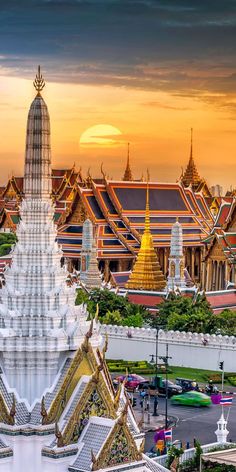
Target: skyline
(99, 69)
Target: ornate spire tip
(39, 83)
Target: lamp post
(165, 360)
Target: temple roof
(118, 208)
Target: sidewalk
(148, 422)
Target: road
(191, 422)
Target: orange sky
(157, 124)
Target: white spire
(37, 173)
(222, 432)
(37, 308)
(176, 260)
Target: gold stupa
(146, 274)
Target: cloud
(184, 47)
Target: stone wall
(202, 351)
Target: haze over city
(151, 69)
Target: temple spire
(37, 173)
(39, 82)
(128, 173)
(191, 175)
(146, 274)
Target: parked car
(187, 384)
(132, 382)
(191, 399)
(173, 389)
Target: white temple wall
(186, 349)
(31, 459)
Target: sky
(151, 69)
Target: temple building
(58, 407)
(219, 259)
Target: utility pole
(165, 360)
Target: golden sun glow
(100, 135)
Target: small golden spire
(146, 274)
(191, 176)
(43, 411)
(128, 173)
(39, 83)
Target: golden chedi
(146, 274)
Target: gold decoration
(97, 382)
(123, 417)
(60, 442)
(4, 412)
(117, 397)
(104, 349)
(94, 461)
(12, 413)
(146, 274)
(39, 83)
(119, 447)
(141, 448)
(97, 313)
(84, 362)
(43, 411)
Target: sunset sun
(100, 135)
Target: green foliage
(112, 317)
(180, 313)
(5, 249)
(193, 463)
(6, 242)
(172, 454)
(232, 380)
(81, 297)
(135, 367)
(113, 309)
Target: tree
(182, 313)
(112, 318)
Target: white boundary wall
(203, 351)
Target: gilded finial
(39, 83)
(43, 411)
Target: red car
(132, 382)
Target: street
(192, 422)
